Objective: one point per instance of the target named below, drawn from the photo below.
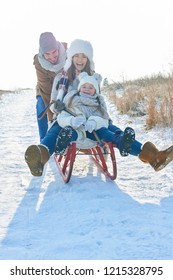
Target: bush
(150, 96)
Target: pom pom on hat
(47, 42)
(79, 46)
(85, 78)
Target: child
(79, 59)
(91, 115)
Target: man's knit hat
(47, 42)
(76, 47)
(85, 78)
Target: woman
(79, 59)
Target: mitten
(90, 125)
(77, 121)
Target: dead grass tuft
(149, 96)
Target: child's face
(88, 89)
(79, 61)
(52, 56)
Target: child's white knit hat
(76, 47)
(85, 78)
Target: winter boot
(157, 159)
(127, 141)
(36, 156)
(64, 139)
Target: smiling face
(79, 61)
(88, 88)
(52, 56)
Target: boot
(157, 159)
(36, 156)
(127, 141)
(64, 139)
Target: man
(48, 63)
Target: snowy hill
(91, 217)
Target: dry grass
(149, 96)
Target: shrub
(150, 96)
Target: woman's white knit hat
(85, 78)
(79, 46)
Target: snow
(91, 217)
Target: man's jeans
(43, 123)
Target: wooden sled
(99, 156)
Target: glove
(90, 125)
(77, 121)
(57, 107)
(63, 82)
(60, 106)
(98, 77)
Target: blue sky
(130, 38)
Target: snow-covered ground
(91, 217)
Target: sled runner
(99, 156)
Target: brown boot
(36, 156)
(157, 159)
